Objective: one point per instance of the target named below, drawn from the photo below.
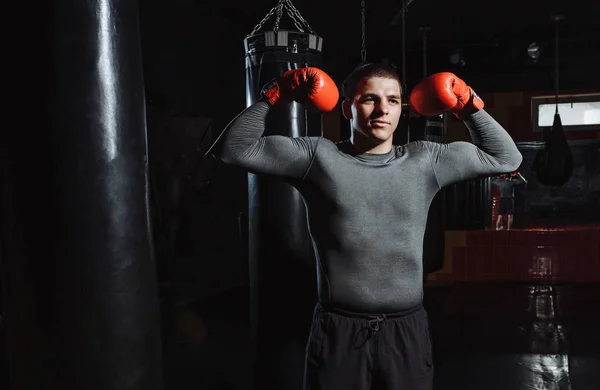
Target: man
(506, 184)
(367, 203)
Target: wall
(513, 111)
(545, 256)
(521, 256)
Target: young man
(367, 204)
(506, 184)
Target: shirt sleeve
(491, 153)
(245, 146)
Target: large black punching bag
(553, 164)
(469, 205)
(432, 129)
(78, 257)
(281, 257)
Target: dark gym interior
(124, 247)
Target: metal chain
(363, 51)
(295, 14)
(263, 21)
(557, 19)
(279, 15)
(299, 22)
(292, 16)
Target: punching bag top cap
(293, 41)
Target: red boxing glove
(443, 92)
(310, 87)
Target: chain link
(363, 51)
(298, 16)
(263, 21)
(299, 22)
(298, 19)
(291, 15)
(279, 15)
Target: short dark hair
(367, 71)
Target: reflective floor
(486, 336)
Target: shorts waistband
(368, 316)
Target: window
(577, 112)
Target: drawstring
(372, 328)
(374, 320)
(374, 323)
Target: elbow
(515, 161)
(232, 156)
(226, 157)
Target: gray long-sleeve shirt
(367, 212)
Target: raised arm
(492, 151)
(245, 147)
(243, 141)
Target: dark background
(195, 80)
(194, 69)
(194, 55)
(575, 204)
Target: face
(374, 112)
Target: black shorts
(507, 206)
(359, 352)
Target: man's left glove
(442, 92)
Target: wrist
(270, 92)
(471, 104)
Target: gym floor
(486, 336)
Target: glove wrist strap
(471, 106)
(270, 91)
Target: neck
(370, 146)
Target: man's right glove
(310, 87)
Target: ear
(347, 109)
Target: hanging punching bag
(469, 205)
(78, 256)
(478, 201)
(553, 164)
(484, 214)
(281, 257)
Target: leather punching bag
(434, 241)
(281, 257)
(83, 309)
(469, 205)
(553, 164)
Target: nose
(383, 107)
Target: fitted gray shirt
(367, 212)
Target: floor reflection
(486, 336)
(546, 366)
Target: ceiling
(464, 20)
(493, 36)
(184, 41)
